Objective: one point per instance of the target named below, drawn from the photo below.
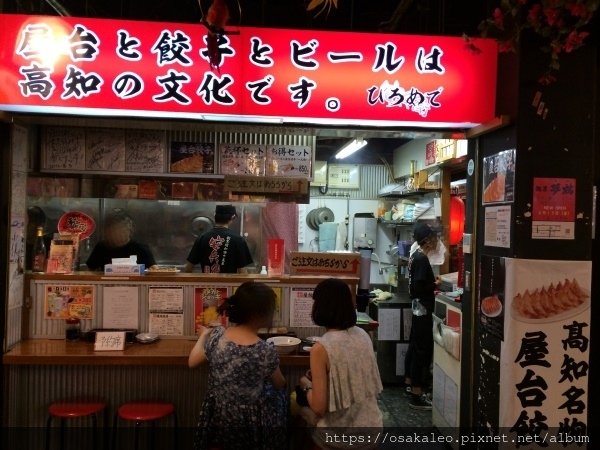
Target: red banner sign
(86, 66)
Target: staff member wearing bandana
(220, 250)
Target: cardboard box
(124, 269)
(421, 178)
(303, 263)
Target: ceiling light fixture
(351, 147)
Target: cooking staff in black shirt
(220, 250)
(117, 243)
(421, 286)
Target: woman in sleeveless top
(344, 380)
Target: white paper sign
(497, 226)
(389, 324)
(109, 340)
(166, 324)
(165, 298)
(301, 303)
(120, 307)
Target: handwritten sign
(324, 263)
(109, 341)
(105, 150)
(301, 302)
(279, 185)
(145, 151)
(63, 148)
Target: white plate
(494, 314)
(146, 338)
(555, 318)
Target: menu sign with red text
(88, 66)
(553, 208)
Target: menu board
(497, 226)
(289, 160)
(239, 159)
(165, 304)
(145, 151)
(553, 211)
(63, 148)
(105, 150)
(192, 157)
(301, 303)
(69, 300)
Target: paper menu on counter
(166, 324)
(120, 307)
(301, 302)
(165, 298)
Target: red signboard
(554, 199)
(84, 66)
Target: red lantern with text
(457, 219)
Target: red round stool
(140, 412)
(73, 410)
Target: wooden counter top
(161, 353)
(195, 277)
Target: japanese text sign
(109, 340)
(324, 263)
(90, 66)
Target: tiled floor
(396, 412)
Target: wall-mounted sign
(257, 185)
(320, 173)
(85, 66)
(324, 263)
(344, 176)
(553, 208)
(499, 177)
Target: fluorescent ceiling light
(350, 148)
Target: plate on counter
(146, 338)
(162, 270)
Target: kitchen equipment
(364, 230)
(284, 344)
(201, 224)
(317, 216)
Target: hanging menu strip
(252, 184)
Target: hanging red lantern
(457, 219)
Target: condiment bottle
(263, 270)
(39, 252)
(72, 328)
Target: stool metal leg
(114, 432)
(136, 435)
(48, 430)
(175, 430)
(94, 431)
(62, 434)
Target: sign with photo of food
(499, 177)
(192, 157)
(289, 161)
(491, 295)
(243, 159)
(544, 358)
(206, 302)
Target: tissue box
(124, 269)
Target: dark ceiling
(444, 17)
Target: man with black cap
(220, 250)
(421, 286)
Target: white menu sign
(301, 303)
(165, 298)
(120, 307)
(166, 324)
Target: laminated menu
(192, 157)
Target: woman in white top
(344, 379)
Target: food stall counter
(165, 352)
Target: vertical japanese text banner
(545, 352)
